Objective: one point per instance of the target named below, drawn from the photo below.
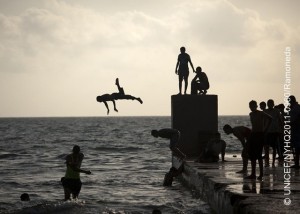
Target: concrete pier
(228, 193)
(196, 117)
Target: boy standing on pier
(242, 133)
(260, 122)
(182, 68)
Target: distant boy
(260, 121)
(242, 133)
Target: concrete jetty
(228, 192)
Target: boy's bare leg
(67, 194)
(105, 103)
(266, 148)
(120, 89)
(114, 103)
(253, 170)
(261, 172)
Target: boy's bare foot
(242, 171)
(260, 178)
(250, 177)
(140, 100)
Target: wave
(63, 207)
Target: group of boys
(267, 130)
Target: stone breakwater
(227, 192)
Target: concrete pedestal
(196, 117)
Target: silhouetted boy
(295, 129)
(71, 182)
(272, 136)
(182, 68)
(200, 82)
(173, 135)
(116, 96)
(242, 133)
(260, 121)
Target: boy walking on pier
(260, 122)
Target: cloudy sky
(56, 56)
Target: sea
(127, 164)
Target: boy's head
(262, 105)
(76, 149)
(253, 105)
(99, 99)
(25, 197)
(182, 49)
(198, 69)
(270, 103)
(227, 129)
(292, 100)
(280, 107)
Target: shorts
(255, 145)
(74, 185)
(183, 74)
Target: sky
(57, 56)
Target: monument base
(196, 117)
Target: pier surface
(228, 192)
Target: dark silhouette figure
(156, 211)
(260, 122)
(272, 137)
(281, 108)
(174, 136)
(212, 150)
(116, 96)
(242, 133)
(295, 129)
(182, 68)
(200, 82)
(25, 197)
(71, 182)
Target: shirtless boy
(242, 133)
(260, 122)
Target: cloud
(77, 48)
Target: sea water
(128, 165)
